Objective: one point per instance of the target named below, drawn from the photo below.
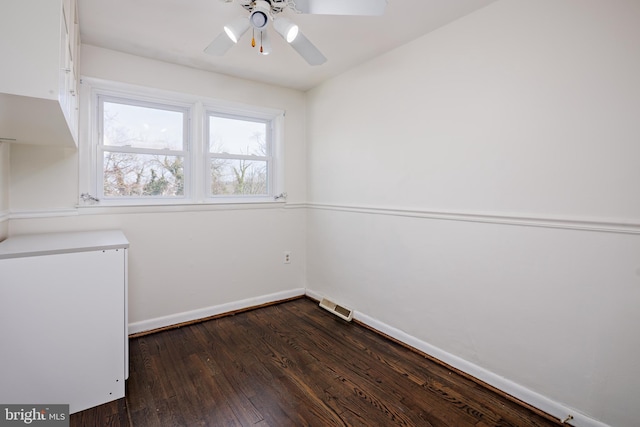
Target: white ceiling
(178, 31)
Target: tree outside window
(151, 147)
(239, 156)
(143, 150)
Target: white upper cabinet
(39, 46)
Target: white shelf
(28, 245)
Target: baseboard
(523, 394)
(203, 313)
(529, 397)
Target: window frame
(101, 148)
(209, 156)
(197, 177)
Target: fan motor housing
(260, 14)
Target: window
(238, 157)
(143, 146)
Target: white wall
(422, 167)
(460, 186)
(4, 189)
(43, 178)
(181, 260)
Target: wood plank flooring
(294, 364)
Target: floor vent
(338, 310)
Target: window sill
(107, 208)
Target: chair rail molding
(526, 220)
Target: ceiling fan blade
(342, 7)
(220, 45)
(307, 50)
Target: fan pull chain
(261, 50)
(253, 37)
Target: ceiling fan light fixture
(259, 17)
(287, 29)
(236, 29)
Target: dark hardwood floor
(294, 364)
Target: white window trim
(209, 111)
(196, 182)
(98, 175)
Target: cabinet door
(62, 323)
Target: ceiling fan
(262, 12)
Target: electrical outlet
(286, 257)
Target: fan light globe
(287, 29)
(236, 29)
(259, 17)
(292, 33)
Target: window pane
(234, 136)
(127, 174)
(235, 177)
(142, 127)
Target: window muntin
(239, 158)
(142, 149)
